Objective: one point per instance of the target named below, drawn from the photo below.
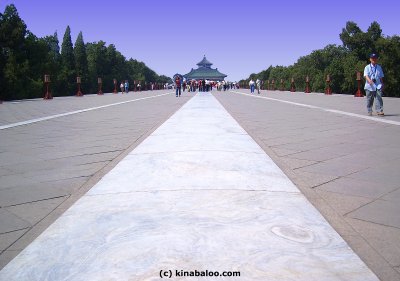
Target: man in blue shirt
(373, 74)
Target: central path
(197, 194)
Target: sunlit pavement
(199, 193)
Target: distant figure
(121, 86)
(126, 86)
(251, 84)
(139, 87)
(184, 84)
(178, 85)
(258, 83)
(373, 74)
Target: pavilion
(204, 71)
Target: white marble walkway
(197, 194)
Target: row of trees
(342, 62)
(25, 58)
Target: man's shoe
(381, 113)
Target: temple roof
(204, 62)
(204, 71)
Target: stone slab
(35, 211)
(379, 211)
(10, 222)
(7, 239)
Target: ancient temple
(204, 71)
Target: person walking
(178, 85)
(251, 84)
(373, 74)
(258, 83)
(121, 86)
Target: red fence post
(100, 82)
(358, 93)
(78, 81)
(47, 95)
(307, 85)
(328, 90)
(115, 86)
(292, 86)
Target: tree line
(341, 62)
(25, 58)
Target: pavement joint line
(391, 122)
(35, 201)
(27, 122)
(12, 232)
(377, 223)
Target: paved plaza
(277, 186)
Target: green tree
(25, 58)
(81, 62)
(389, 53)
(12, 53)
(97, 63)
(68, 74)
(53, 62)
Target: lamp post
(328, 90)
(115, 86)
(100, 82)
(358, 93)
(292, 86)
(47, 95)
(78, 82)
(307, 85)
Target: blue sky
(239, 37)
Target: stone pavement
(198, 194)
(343, 161)
(345, 164)
(47, 165)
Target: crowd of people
(125, 87)
(204, 85)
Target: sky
(239, 37)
